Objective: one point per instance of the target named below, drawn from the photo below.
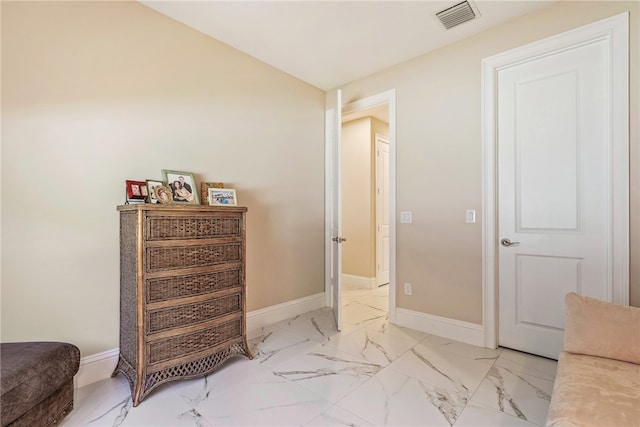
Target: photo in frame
(204, 190)
(182, 186)
(136, 190)
(163, 194)
(151, 184)
(222, 197)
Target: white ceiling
(330, 43)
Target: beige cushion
(594, 391)
(603, 329)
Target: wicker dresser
(182, 292)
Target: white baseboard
(98, 367)
(349, 282)
(466, 332)
(266, 316)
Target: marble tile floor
(305, 373)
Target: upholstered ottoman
(36, 381)
(598, 377)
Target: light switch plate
(471, 216)
(405, 218)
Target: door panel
(548, 173)
(383, 217)
(334, 132)
(554, 192)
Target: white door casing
(581, 76)
(382, 210)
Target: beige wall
(94, 93)
(439, 156)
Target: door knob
(507, 242)
(338, 239)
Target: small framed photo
(222, 197)
(151, 184)
(182, 186)
(136, 190)
(162, 194)
(204, 190)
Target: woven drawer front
(184, 345)
(163, 228)
(169, 258)
(191, 314)
(169, 288)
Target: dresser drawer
(179, 346)
(192, 227)
(174, 257)
(174, 287)
(167, 318)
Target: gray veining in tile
(306, 373)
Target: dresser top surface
(176, 207)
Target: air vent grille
(456, 15)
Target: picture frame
(151, 184)
(163, 194)
(204, 190)
(182, 185)
(222, 197)
(136, 190)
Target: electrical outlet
(408, 289)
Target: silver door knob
(507, 242)
(338, 239)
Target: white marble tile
(355, 315)
(394, 399)
(318, 325)
(443, 369)
(380, 343)
(280, 345)
(306, 373)
(264, 404)
(468, 350)
(526, 397)
(336, 416)
(327, 371)
(383, 326)
(478, 416)
(527, 364)
(94, 400)
(435, 341)
(262, 331)
(162, 407)
(238, 373)
(377, 299)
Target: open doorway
(366, 214)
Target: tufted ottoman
(36, 381)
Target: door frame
(389, 98)
(616, 31)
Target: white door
(333, 162)
(382, 211)
(554, 191)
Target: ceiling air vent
(456, 15)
